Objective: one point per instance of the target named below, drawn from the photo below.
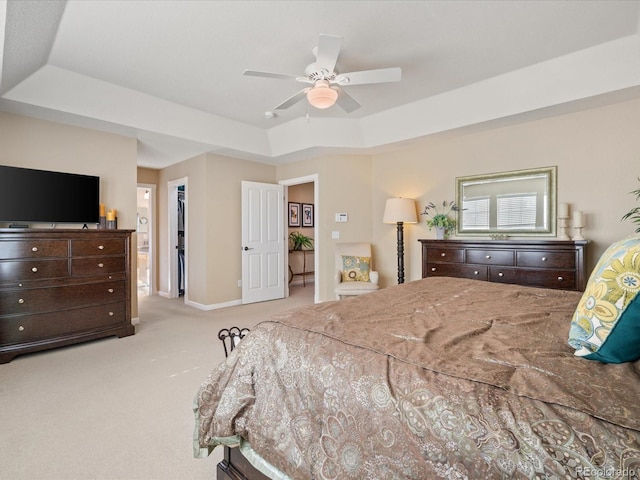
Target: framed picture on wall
(307, 214)
(294, 214)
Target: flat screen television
(40, 196)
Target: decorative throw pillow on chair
(355, 269)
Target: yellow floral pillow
(606, 323)
(355, 269)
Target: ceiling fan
(326, 81)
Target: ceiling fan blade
(381, 75)
(255, 73)
(345, 101)
(328, 51)
(293, 99)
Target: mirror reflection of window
(517, 212)
(476, 213)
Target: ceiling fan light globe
(322, 97)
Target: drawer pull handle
(544, 259)
(501, 274)
(110, 290)
(21, 300)
(21, 328)
(476, 272)
(100, 247)
(487, 257)
(443, 254)
(560, 279)
(34, 249)
(111, 314)
(34, 269)
(101, 265)
(433, 269)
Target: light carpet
(120, 408)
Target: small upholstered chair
(354, 275)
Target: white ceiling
(170, 72)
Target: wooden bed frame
(539, 263)
(235, 466)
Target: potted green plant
(438, 218)
(634, 213)
(298, 241)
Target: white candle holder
(578, 235)
(562, 228)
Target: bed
(437, 378)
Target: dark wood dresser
(60, 287)
(538, 263)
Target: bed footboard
(235, 466)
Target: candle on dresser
(111, 215)
(563, 210)
(578, 219)
(102, 210)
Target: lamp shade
(400, 210)
(321, 95)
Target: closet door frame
(172, 209)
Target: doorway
(304, 268)
(178, 232)
(145, 239)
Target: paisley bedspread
(438, 378)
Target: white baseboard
(298, 282)
(213, 306)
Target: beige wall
(32, 143)
(149, 176)
(597, 153)
(213, 193)
(225, 230)
(344, 186)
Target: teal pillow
(606, 323)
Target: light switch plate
(335, 234)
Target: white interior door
(263, 246)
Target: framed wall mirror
(516, 203)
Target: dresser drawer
(38, 300)
(33, 248)
(562, 279)
(490, 257)
(82, 267)
(105, 246)
(28, 328)
(450, 255)
(23, 270)
(456, 270)
(542, 259)
(503, 274)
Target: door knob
(247, 248)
